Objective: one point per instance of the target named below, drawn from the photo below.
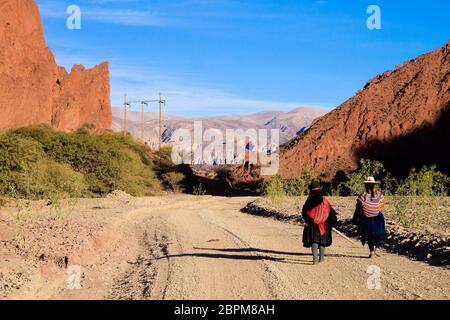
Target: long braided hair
(370, 188)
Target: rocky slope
(34, 89)
(400, 118)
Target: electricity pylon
(144, 103)
(161, 104)
(125, 104)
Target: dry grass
(434, 218)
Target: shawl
(320, 214)
(371, 205)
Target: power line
(143, 103)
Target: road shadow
(266, 251)
(394, 243)
(255, 254)
(400, 244)
(224, 256)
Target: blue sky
(212, 57)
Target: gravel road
(188, 247)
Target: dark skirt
(373, 229)
(311, 234)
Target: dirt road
(205, 248)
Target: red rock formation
(33, 89)
(83, 96)
(400, 118)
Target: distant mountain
(289, 123)
(292, 122)
(401, 118)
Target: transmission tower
(144, 103)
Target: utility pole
(143, 104)
(125, 115)
(161, 102)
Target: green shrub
(425, 182)
(389, 184)
(417, 198)
(277, 186)
(47, 178)
(171, 175)
(164, 158)
(273, 187)
(37, 162)
(355, 184)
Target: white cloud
(125, 17)
(184, 95)
(173, 13)
(93, 12)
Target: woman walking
(369, 217)
(320, 218)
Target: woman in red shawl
(320, 218)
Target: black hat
(315, 185)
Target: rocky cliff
(33, 89)
(400, 118)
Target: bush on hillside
(416, 199)
(355, 184)
(173, 177)
(37, 161)
(277, 186)
(424, 182)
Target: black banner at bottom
(226, 310)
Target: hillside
(400, 118)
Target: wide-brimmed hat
(315, 185)
(371, 180)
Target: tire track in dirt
(272, 276)
(143, 279)
(162, 264)
(193, 265)
(136, 282)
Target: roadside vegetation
(278, 187)
(40, 163)
(414, 201)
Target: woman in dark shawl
(320, 218)
(369, 217)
